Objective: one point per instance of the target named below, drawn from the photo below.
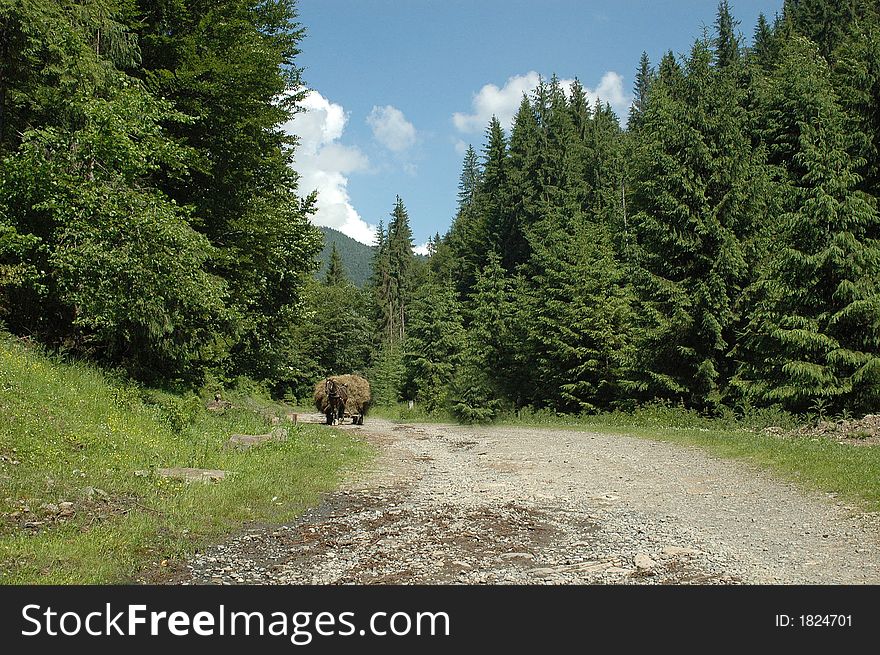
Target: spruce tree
(469, 180)
(488, 377)
(644, 77)
(697, 195)
(576, 315)
(857, 81)
(763, 50)
(382, 285)
(726, 42)
(466, 238)
(433, 346)
(232, 67)
(335, 275)
(814, 334)
(493, 199)
(523, 183)
(401, 268)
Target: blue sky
(399, 88)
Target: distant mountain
(356, 256)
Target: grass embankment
(79, 498)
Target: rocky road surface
(446, 504)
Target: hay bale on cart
(340, 396)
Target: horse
(337, 396)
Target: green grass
(817, 463)
(69, 433)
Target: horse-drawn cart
(343, 396)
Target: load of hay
(355, 391)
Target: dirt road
(452, 504)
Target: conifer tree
(401, 267)
(382, 285)
(469, 180)
(644, 77)
(466, 238)
(488, 376)
(857, 81)
(726, 42)
(824, 22)
(576, 316)
(697, 192)
(763, 45)
(335, 274)
(523, 183)
(493, 199)
(433, 346)
(814, 334)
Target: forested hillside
(718, 249)
(357, 257)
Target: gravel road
(448, 504)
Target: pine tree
(466, 238)
(576, 315)
(814, 335)
(382, 285)
(469, 180)
(386, 374)
(824, 22)
(523, 184)
(669, 71)
(493, 202)
(232, 67)
(488, 377)
(857, 80)
(763, 45)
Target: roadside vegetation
(81, 501)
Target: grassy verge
(819, 463)
(80, 501)
(402, 412)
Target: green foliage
(432, 350)
(356, 257)
(394, 274)
(644, 77)
(148, 213)
(78, 436)
(814, 336)
(386, 374)
(700, 186)
(721, 252)
(334, 336)
(335, 274)
(577, 315)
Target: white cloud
(504, 102)
(422, 249)
(391, 129)
(324, 165)
(492, 101)
(610, 90)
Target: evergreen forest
(718, 248)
